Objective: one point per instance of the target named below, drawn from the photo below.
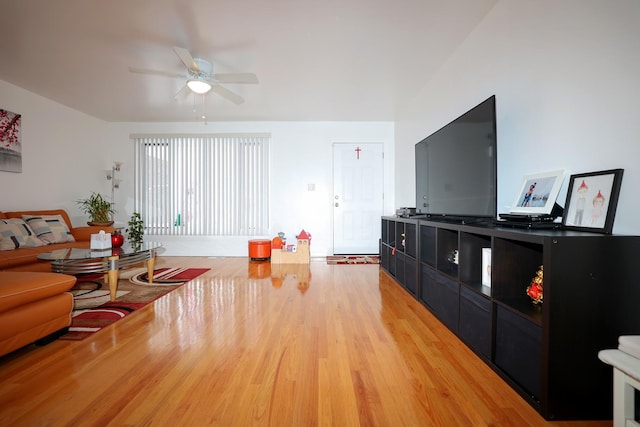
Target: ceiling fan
(201, 79)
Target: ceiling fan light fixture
(199, 86)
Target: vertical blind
(205, 185)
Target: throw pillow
(15, 233)
(49, 228)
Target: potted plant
(135, 230)
(98, 209)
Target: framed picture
(592, 199)
(538, 193)
(486, 267)
(10, 141)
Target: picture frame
(538, 193)
(10, 141)
(592, 199)
(486, 267)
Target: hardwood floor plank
(245, 344)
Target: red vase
(117, 240)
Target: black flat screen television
(456, 167)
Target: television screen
(456, 167)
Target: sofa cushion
(49, 228)
(19, 288)
(15, 233)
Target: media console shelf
(548, 352)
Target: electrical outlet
(311, 187)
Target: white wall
(66, 153)
(566, 79)
(63, 155)
(301, 154)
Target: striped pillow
(49, 228)
(15, 233)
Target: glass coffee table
(78, 261)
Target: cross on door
(358, 150)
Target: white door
(357, 197)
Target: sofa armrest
(83, 234)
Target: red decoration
(117, 240)
(534, 290)
(358, 150)
(304, 235)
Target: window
(203, 185)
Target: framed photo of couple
(538, 193)
(592, 199)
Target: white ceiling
(335, 60)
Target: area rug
(353, 259)
(93, 308)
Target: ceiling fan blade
(155, 72)
(186, 58)
(236, 78)
(226, 93)
(183, 93)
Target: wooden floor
(343, 346)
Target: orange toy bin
(259, 250)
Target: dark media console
(548, 352)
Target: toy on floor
(290, 255)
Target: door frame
(333, 181)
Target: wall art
(10, 141)
(538, 193)
(592, 199)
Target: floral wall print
(10, 142)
